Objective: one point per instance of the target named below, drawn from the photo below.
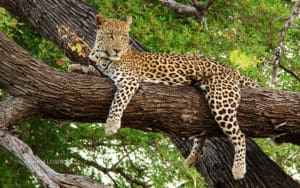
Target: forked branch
(275, 60)
(197, 9)
(113, 169)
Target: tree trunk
(215, 164)
(154, 108)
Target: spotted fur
(128, 68)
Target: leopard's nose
(117, 51)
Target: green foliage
(242, 34)
(24, 35)
(241, 60)
(79, 148)
(11, 170)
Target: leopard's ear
(129, 20)
(99, 19)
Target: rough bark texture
(176, 111)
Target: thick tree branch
(62, 95)
(279, 48)
(13, 110)
(46, 175)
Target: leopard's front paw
(78, 68)
(112, 126)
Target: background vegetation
(241, 34)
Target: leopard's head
(112, 39)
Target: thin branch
(138, 170)
(179, 7)
(119, 161)
(112, 169)
(291, 157)
(93, 164)
(95, 144)
(44, 173)
(198, 9)
(129, 178)
(289, 71)
(201, 7)
(279, 48)
(112, 179)
(201, 10)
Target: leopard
(128, 68)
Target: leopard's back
(174, 69)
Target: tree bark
(59, 95)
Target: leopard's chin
(106, 56)
(114, 58)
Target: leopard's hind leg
(223, 95)
(196, 151)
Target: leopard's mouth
(114, 58)
(106, 56)
(102, 57)
(99, 60)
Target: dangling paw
(192, 158)
(238, 170)
(189, 162)
(112, 126)
(196, 151)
